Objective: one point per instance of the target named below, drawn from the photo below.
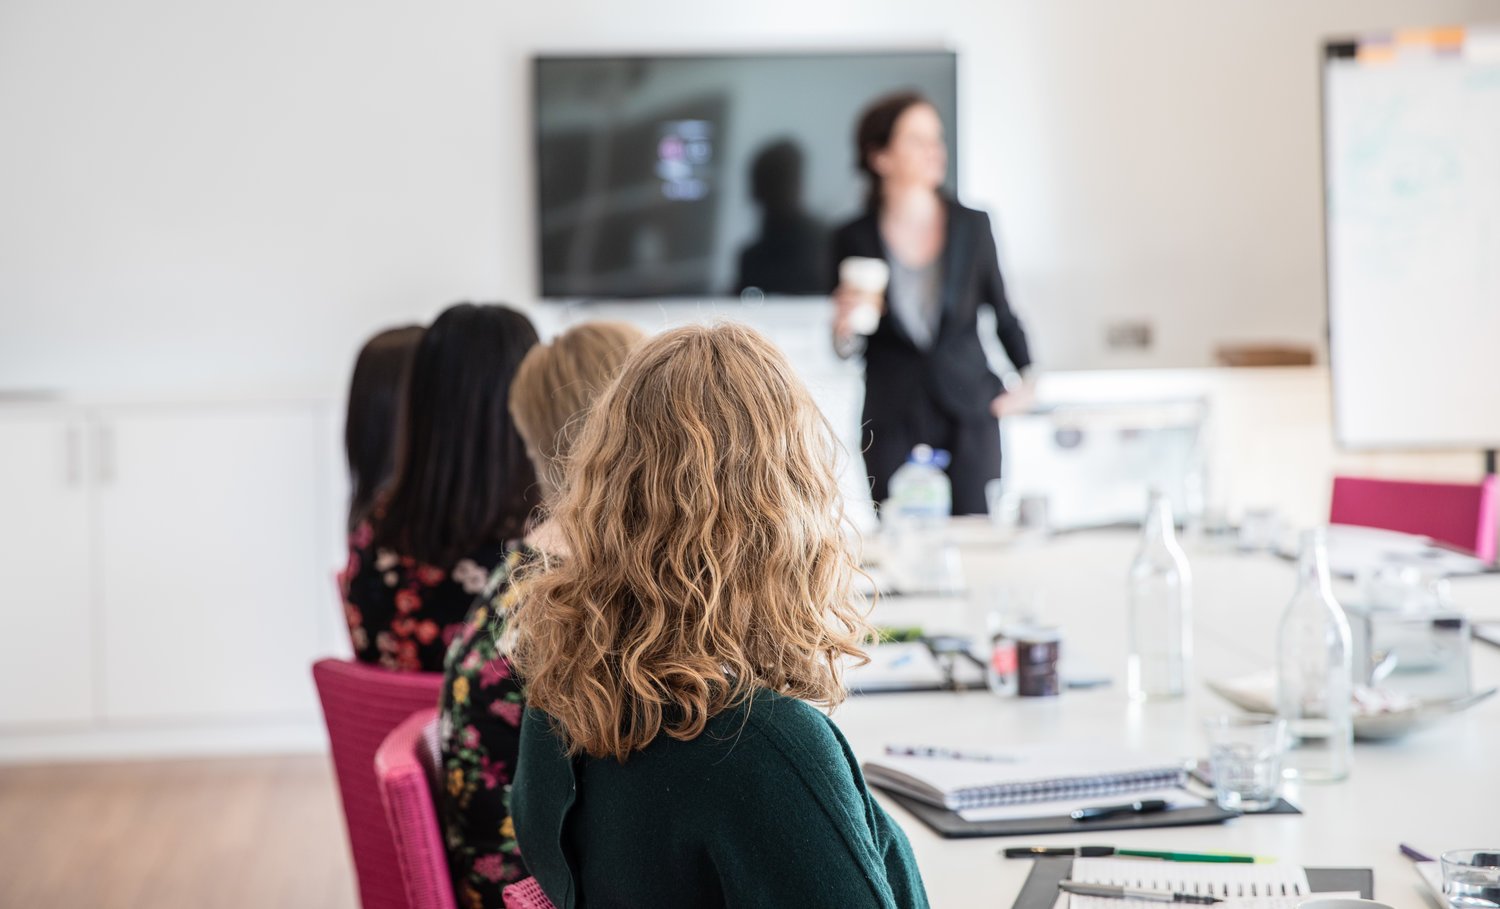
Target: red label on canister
(1003, 657)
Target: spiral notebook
(1022, 775)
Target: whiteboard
(1411, 128)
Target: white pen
(1131, 893)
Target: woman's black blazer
(953, 374)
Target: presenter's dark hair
(873, 134)
(374, 412)
(462, 478)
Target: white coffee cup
(870, 276)
(865, 273)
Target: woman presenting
(926, 377)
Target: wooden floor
(262, 832)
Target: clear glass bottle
(1160, 602)
(1314, 672)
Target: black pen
(1054, 851)
(1146, 806)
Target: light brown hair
(556, 383)
(708, 557)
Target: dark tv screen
(698, 176)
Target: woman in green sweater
(671, 755)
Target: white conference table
(1437, 789)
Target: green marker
(1192, 856)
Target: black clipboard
(950, 825)
(1040, 889)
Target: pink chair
(405, 769)
(361, 705)
(526, 894)
(1459, 514)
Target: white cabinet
(47, 668)
(212, 562)
(166, 576)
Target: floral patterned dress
(403, 614)
(480, 727)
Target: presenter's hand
(846, 300)
(1019, 399)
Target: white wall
(235, 193)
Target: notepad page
(1241, 886)
(1028, 773)
(895, 666)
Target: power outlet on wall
(1128, 334)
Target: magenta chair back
(361, 705)
(405, 767)
(526, 894)
(1459, 514)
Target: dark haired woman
(463, 488)
(926, 377)
(375, 393)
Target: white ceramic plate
(1250, 693)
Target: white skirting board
(141, 741)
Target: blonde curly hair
(707, 555)
(555, 385)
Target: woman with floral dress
(482, 700)
(461, 492)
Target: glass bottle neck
(1312, 564)
(1159, 525)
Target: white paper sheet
(1241, 886)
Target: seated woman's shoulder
(780, 748)
(795, 729)
(774, 712)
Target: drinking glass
(1471, 878)
(1004, 505)
(1258, 528)
(1244, 753)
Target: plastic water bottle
(1160, 602)
(1314, 671)
(919, 489)
(915, 520)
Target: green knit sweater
(766, 808)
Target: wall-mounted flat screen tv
(708, 176)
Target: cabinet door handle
(106, 455)
(75, 455)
